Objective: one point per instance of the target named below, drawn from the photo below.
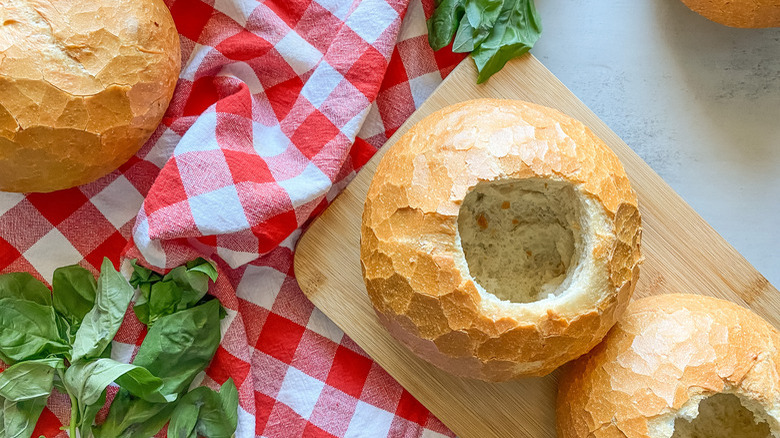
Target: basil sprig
(494, 31)
(63, 341)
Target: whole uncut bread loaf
(676, 366)
(83, 84)
(739, 13)
(500, 239)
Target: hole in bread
(723, 416)
(520, 238)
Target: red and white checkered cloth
(279, 103)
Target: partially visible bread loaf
(83, 84)
(682, 366)
(739, 13)
(500, 239)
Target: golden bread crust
(739, 13)
(83, 84)
(666, 350)
(409, 249)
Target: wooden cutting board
(682, 254)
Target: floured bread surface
(676, 366)
(83, 84)
(500, 239)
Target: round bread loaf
(739, 13)
(83, 84)
(682, 366)
(500, 239)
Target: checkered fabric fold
(273, 95)
(279, 103)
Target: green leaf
(19, 418)
(466, 38)
(164, 299)
(203, 412)
(28, 330)
(228, 395)
(482, 14)
(203, 266)
(176, 348)
(29, 380)
(88, 414)
(182, 288)
(142, 275)
(59, 383)
(102, 322)
(25, 287)
(180, 346)
(184, 418)
(74, 293)
(444, 22)
(86, 380)
(515, 31)
(67, 334)
(138, 419)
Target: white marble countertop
(700, 102)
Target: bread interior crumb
(723, 416)
(521, 238)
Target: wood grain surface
(682, 254)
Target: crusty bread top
(83, 83)
(665, 351)
(411, 260)
(739, 13)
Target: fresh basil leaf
(228, 395)
(184, 418)
(24, 389)
(86, 380)
(29, 380)
(142, 275)
(24, 286)
(181, 288)
(28, 330)
(88, 414)
(480, 17)
(137, 418)
(193, 286)
(193, 280)
(67, 334)
(482, 14)
(102, 322)
(176, 348)
(444, 22)
(515, 31)
(166, 295)
(59, 383)
(19, 418)
(180, 346)
(141, 310)
(74, 293)
(466, 39)
(203, 266)
(203, 412)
